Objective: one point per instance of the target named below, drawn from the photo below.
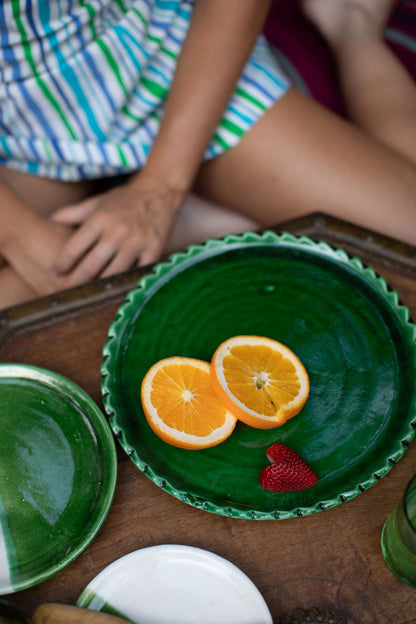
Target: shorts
(83, 85)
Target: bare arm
(131, 224)
(221, 36)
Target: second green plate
(355, 339)
(58, 470)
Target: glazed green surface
(57, 471)
(90, 600)
(346, 326)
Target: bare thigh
(42, 195)
(300, 158)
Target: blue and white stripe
(83, 84)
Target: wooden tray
(329, 560)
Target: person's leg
(43, 195)
(300, 158)
(380, 95)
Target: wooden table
(330, 560)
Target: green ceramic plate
(343, 321)
(57, 474)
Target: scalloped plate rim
(212, 247)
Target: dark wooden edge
(319, 226)
(67, 303)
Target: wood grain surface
(330, 560)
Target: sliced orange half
(181, 406)
(261, 381)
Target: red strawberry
(287, 472)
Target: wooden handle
(54, 613)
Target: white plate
(173, 584)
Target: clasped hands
(103, 235)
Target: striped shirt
(83, 84)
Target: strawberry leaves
(287, 471)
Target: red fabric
(299, 42)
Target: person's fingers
(152, 252)
(92, 264)
(75, 214)
(124, 260)
(137, 253)
(38, 277)
(75, 248)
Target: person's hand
(122, 228)
(32, 251)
